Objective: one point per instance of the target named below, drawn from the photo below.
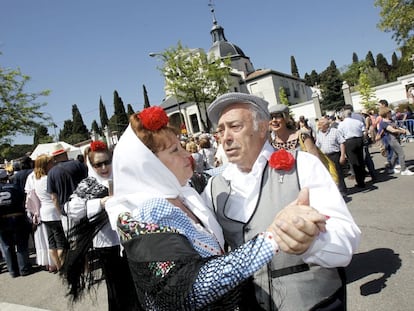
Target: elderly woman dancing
(172, 240)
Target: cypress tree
(355, 58)
(331, 83)
(383, 65)
(66, 132)
(41, 135)
(102, 114)
(79, 126)
(95, 128)
(370, 59)
(293, 67)
(146, 100)
(119, 121)
(394, 60)
(312, 79)
(130, 110)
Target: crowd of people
(251, 217)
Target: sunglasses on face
(101, 164)
(276, 115)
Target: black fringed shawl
(164, 265)
(78, 269)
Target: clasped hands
(297, 225)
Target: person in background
(284, 134)
(207, 152)
(86, 208)
(14, 228)
(220, 157)
(63, 179)
(49, 215)
(390, 137)
(332, 143)
(173, 243)
(368, 163)
(383, 103)
(353, 131)
(256, 185)
(26, 167)
(40, 235)
(198, 158)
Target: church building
(264, 83)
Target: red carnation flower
(282, 160)
(153, 118)
(98, 145)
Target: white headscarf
(139, 175)
(93, 173)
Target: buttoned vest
(286, 283)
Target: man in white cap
(64, 176)
(256, 185)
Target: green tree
(74, 131)
(397, 17)
(192, 76)
(375, 76)
(146, 99)
(368, 98)
(283, 97)
(369, 59)
(130, 110)
(312, 79)
(293, 67)
(383, 66)
(351, 74)
(19, 109)
(102, 114)
(78, 126)
(95, 128)
(119, 121)
(41, 136)
(331, 86)
(9, 152)
(355, 58)
(67, 131)
(400, 67)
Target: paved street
(380, 276)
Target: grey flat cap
(279, 108)
(216, 107)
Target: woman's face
(102, 164)
(277, 121)
(176, 159)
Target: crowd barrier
(409, 125)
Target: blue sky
(84, 49)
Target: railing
(408, 125)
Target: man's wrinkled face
(241, 139)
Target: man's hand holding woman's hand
(297, 225)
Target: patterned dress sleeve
(168, 271)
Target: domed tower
(222, 48)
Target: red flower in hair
(153, 118)
(282, 160)
(98, 145)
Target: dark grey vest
(286, 283)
